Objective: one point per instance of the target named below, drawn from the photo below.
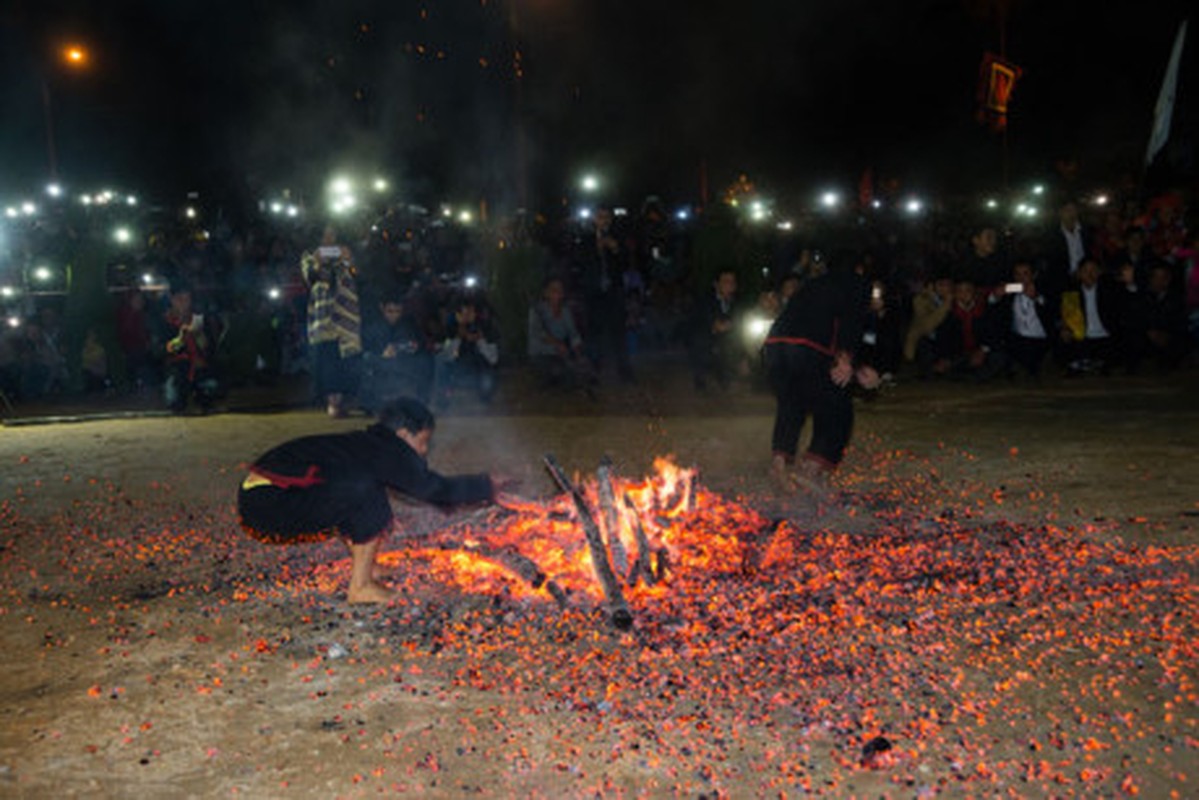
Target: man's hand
(501, 484)
(842, 371)
(978, 358)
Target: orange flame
(550, 535)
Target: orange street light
(75, 56)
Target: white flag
(1164, 110)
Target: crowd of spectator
(404, 304)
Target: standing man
(1067, 245)
(602, 260)
(336, 485)
(711, 346)
(810, 357)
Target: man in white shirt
(1103, 304)
(1030, 316)
(1067, 245)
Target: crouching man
(336, 485)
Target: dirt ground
(150, 647)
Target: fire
(646, 524)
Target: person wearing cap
(313, 487)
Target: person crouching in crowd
(930, 307)
(966, 345)
(468, 356)
(396, 359)
(555, 347)
(1093, 314)
(1157, 329)
(190, 346)
(1026, 316)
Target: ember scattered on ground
(932, 634)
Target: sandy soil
(1002, 604)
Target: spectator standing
(1065, 248)
(134, 336)
(603, 260)
(985, 265)
(334, 325)
(1136, 254)
(712, 345)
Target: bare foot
(372, 592)
(782, 479)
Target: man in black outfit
(601, 260)
(336, 484)
(809, 353)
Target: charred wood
(618, 609)
(611, 516)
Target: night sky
(254, 96)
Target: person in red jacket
(313, 487)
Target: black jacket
(375, 455)
(826, 315)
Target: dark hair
(392, 296)
(407, 414)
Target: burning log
(507, 557)
(641, 567)
(618, 609)
(661, 564)
(611, 516)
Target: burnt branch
(618, 609)
(611, 516)
(641, 567)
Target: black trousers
(1028, 352)
(802, 387)
(359, 512)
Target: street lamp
(75, 57)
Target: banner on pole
(996, 80)
(1163, 110)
